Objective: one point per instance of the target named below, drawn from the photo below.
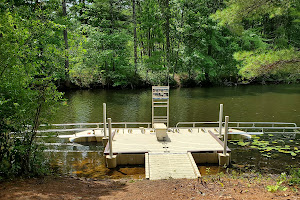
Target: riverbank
(245, 186)
(178, 82)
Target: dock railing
(265, 127)
(69, 127)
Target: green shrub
(295, 176)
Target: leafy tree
(272, 48)
(105, 58)
(31, 63)
(208, 48)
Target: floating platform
(170, 152)
(173, 157)
(179, 141)
(166, 153)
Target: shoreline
(74, 87)
(220, 186)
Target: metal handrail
(239, 123)
(263, 129)
(289, 126)
(82, 126)
(268, 123)
(251, 125)
(97, 123)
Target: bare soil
(209, 187)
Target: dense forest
(46, 44)
(131, 43)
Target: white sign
(160, 92)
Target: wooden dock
(174, 157)
(172, 154)
(183, 141)
(170, 165)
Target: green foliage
(100, 53)
(238, 10)
(208, 48)
(188, 44)
(257, 63)
(32, 62)
(267, 31)
(278, 186)
(198, 42)
(101, 59)
(295, 176)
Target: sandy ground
(209, 187)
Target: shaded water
(279, 103)
(273, 103)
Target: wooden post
(220, 120)
(110, 138)
(104, 119)
(226, 135)
(111, 160)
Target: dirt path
(208, 188)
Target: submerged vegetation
(269, 146)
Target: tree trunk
(111, 2)
(134, 36)
(149, 42)
(167, 14)
(29, 140)
(209, 53)
(67, 81)
(178, 45)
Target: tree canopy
(132, 43)
(271, 27)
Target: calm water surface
(257, 103)
(278, 103)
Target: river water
(250, 103)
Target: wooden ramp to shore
(170, 165)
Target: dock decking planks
(170, 165)
(182, 142)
